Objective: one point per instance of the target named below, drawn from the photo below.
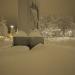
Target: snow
(52, 58)
(20, 34)
(35, 33)
(55, 57)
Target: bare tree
(35, 13)
(64, 24)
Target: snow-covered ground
(60, 38)
(52, 58)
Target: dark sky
(57, 7)
(9, 8)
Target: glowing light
(12, 26)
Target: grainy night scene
(37, 37)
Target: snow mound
(20, 48)
(35, 33)
(20, 34)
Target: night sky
(9, 8)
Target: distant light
(12, 26)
